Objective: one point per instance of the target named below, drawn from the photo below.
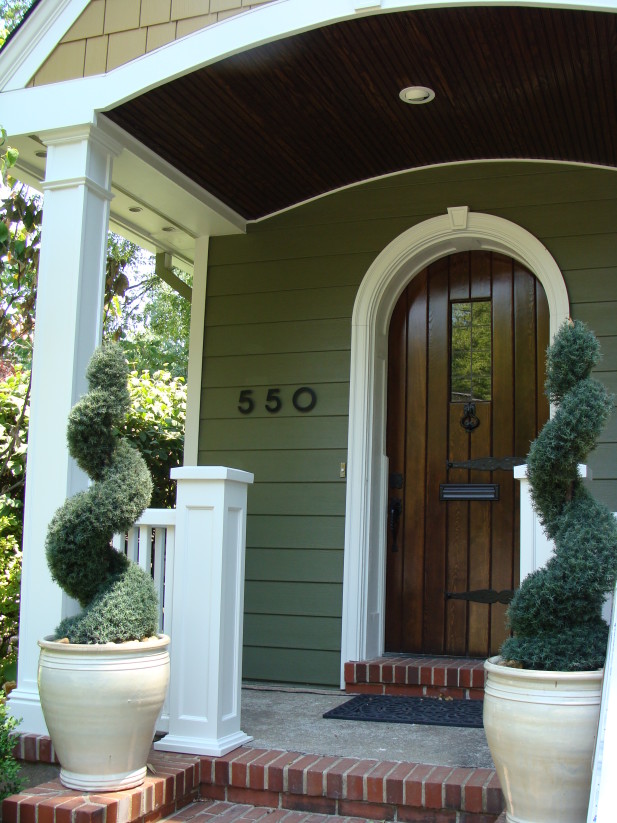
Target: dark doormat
(426, 711)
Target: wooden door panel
(458, 546)
(396, 437)
(505, 521)
(437, 455)
(480, 514)
(417, 398)
(458, 540)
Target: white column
(208, 597)
(196, 351)
(535, 547)
(68, 328)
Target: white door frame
(366, 506)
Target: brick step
(417, 676)
(275, 779)
(216, 811)
(172, 784)
(350, 787)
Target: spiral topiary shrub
(118, 598)
(556, 615)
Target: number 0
(304, 407)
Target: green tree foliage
(117, 597)
(155, 425)
(11, 14)
(14, 417)
(14, 392)
(20, 235)
(10, 578)
(158, 338)
(556, 615)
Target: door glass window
(471, 351)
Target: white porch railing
(151, 544)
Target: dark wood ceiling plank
(290, 120)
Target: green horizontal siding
(316, 633)
(606, 492)
(285, 275)
(295, 532)
(274, 338)
(275, 307)
(299, 565)
(296, 369)
(300, 432)
(283, 466)
(314, 499)
(301, 666)
(278, 316)
(284, 598)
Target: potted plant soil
(543, 692)
(103, 675)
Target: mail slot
(469, 491)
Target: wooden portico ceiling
(296, 118)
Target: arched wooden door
(467, 347)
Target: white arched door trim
(365, 515)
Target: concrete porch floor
(291, 719)
(279, 717)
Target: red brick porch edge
(343, 786)
(349, 787)
(460, 678)
(173, 783)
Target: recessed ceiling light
(416, 95)
(135, 209)
(168, 228)
(41, 153)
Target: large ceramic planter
(101, 703)
(541, 729)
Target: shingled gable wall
(109, 33)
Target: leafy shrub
(117, 597)
(14, 418)
(10, 578)
(10, 782)
(556, 615)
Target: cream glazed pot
(541, 729)
(101, 704)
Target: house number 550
(304, 400)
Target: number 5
(273, 398)
(246, 404)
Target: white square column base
(207, 611)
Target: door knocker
(469, 420)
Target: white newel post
(208, 597)
(68, 328)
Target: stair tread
(221, 811)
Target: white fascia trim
(32, 44)
(366, 503)
(56, 105)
